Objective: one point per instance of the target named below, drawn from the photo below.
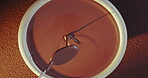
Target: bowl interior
(106, 47)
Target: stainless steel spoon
(62, 56)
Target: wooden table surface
(133, 65)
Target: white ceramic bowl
(39, 3)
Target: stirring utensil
(62, 56)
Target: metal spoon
(62, 56)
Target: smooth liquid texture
(99, 41)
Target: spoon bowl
(65, 54)
(62, 56)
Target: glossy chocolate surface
(99, 41)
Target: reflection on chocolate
(64, 54)
(54, 20)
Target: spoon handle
(42, 74)
(49, 66)
(90, 23)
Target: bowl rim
(39, 3)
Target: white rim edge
(22, 36)
(123, 39)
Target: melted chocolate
(54, 20)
